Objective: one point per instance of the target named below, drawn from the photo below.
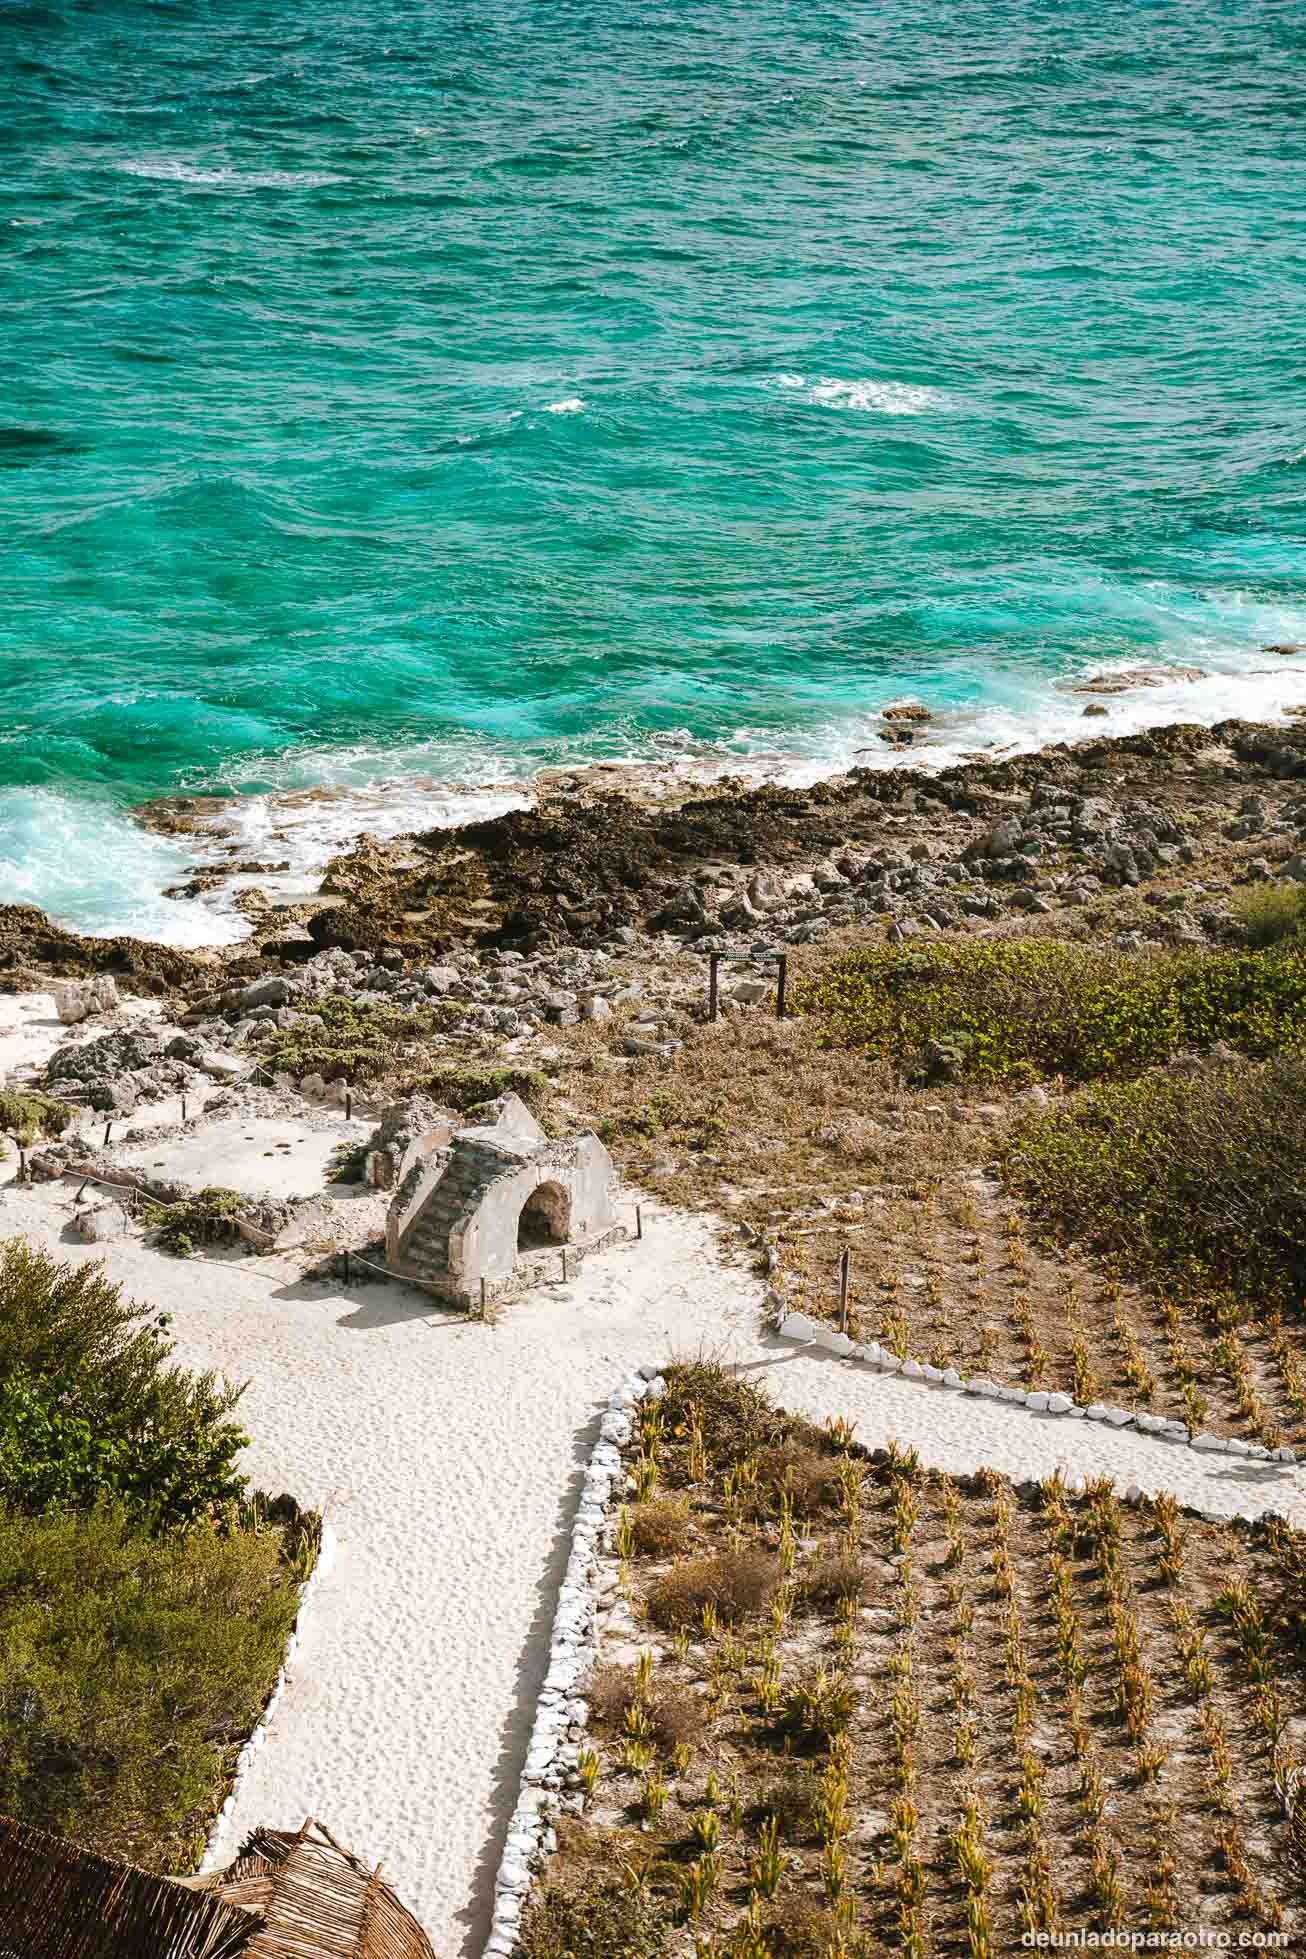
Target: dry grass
(735, 1585)
(812, 1151)
(660, 1527)
(1050, 1710)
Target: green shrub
(1014, 1010)
(89, 1406)
(1270, 913)
(610, 1921)
(466, 1089)
(1196, 1179)
(131, 1670)
(26, 1114)
(346, 1041)
(208, 1218)
(348, 1163)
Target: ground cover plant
(132, 1668)
(1196, 1181)
(208, 1217)
(963, 1712)
(26, 1114)
(1022, 1010)
(346, 1040)
(145, 1596)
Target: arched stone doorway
(545, 1218)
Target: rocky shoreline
(587, 868)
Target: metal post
(639, 1220)
(845, 1259)
(349, 1103)
(780, 988)
(713, 961)
(183, 1108)
(482, 1299)
(22, 1164)
(107, 1127)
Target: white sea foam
(93, 869)
(173, 169)
(866, 396)
(571, 405)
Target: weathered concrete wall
(484, 1244)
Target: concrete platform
(256, 1155)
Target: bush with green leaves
(346, 1040)
(1014, 1010)
(132, 1669)
(209, 1217)
(1196, 1180)
(467, 1089)
(26, 1114)
(90, 1406)
(1269, 914)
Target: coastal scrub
(1015, 1011)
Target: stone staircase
(424, 1245)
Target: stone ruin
(474, 1207)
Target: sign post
(763, 955)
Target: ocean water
(405, 393)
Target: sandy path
(448, 1456)
(963, 1433)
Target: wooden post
(349, 1103)
(639, 1220)
(183, 1108)
(713, 962)
(22, 1164)
(107, 1127)
(845, 1260)
(780, 988)
(482, 1299)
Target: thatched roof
(58, 1902)
(287, 1896)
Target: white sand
(31, 1030)
(257, 1155)
(449, 1455)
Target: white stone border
(799, 1327)
(560, 1714)
(326, 1557)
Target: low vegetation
(468, 1088)
(344, 1040)
(1023, 1010)
(145, 1598)
(1195, 1181)
(132, 1668)
(1038, 1710)
(26, 1114)
(1140, 1244)
(1270, 914)
(209, 1217)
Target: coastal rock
(78, 1000)
(1128, 678)
(99, 1223)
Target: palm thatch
(315, 1898)
(58, 1902)
(287, 1896)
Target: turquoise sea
(399, 391)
